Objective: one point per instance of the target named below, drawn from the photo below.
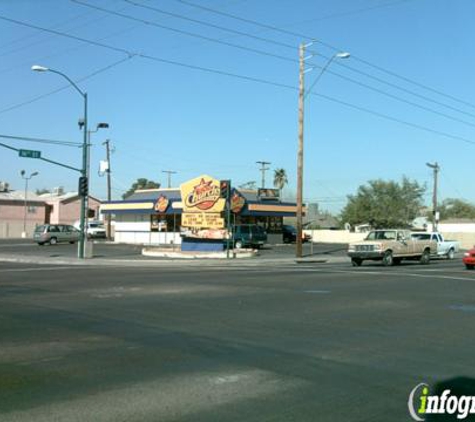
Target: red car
(469, 259)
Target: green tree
(456, 208)
(141, 183)
(384, 204)
(280, 179)
(42, 191)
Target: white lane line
(322, 292)
(394, 274)
(19, 270)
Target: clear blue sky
(164, 116)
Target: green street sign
(28, 153)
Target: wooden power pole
(263, 170)
(435, 214)
(298, 240)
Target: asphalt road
(288, 343)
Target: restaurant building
(196, 209)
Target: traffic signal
(225, 188)
(83, 188)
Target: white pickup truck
(445, 248)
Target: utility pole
(435, 215)
(263, 170)
(298, 240)
(109, 187)
(169, 173)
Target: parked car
(55, 233)
(94, 229)
(249, 235)
(390, 246)
(445, 248)
(469, 259)
(289, 234)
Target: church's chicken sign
(202, 204)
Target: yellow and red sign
(237, 203)
(202, 203)
(202, 194)
(162, 204)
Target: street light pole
(26, 178)
(300, 149)
(82, 221)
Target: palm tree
(280, 179)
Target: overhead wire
(64, 87)
(326, 44)
(239, 76)
(41, 140)
(188, 33)
(183, 32)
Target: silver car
(55, 233)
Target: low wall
(467, 240)
(335, 236)
(147, 238)
(13, 230)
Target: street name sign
(28, 153)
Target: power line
(328, 45)
(65, 51)
(64, 34)
(148, 22)
(351, 12)
(178, 16)
(208, 24)
(40, 140)
(47, 94)
(408, 91)
(242, 77)
(395, 97)
(183, 32)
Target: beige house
(66, 208)
(16, 215)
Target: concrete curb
(250, 262)
(153, 252)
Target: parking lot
(249, 343)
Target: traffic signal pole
(84, 204)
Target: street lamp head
(38, 68)
(342, 55)
(103, 126)
(34, 174)
(22, 173)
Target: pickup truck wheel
(356, 262)
(451, 254)
(397, 261)
(388, 259)
(425, 258)
(53, 241)
(469, 267)
(238, 244)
